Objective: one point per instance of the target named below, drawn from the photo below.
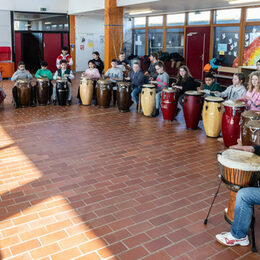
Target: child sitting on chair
(63, 73)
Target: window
(175, 40)
(252, 14)
(139, 21)
(155, 40)
(175, 19)
(155, 20)
(139, 42)
(199, 18)
(252, 46)
(227, 16)
(226, 44)
(40, 22)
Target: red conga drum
(169, 102)
(230, 125)
(192, 107)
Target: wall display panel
(252, 45)
(139, 42)
(175, 40)
(155, 40)
(226, 45)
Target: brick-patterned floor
(87, 183)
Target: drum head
(103, 81)
(241, 160)
(123, 83)
(214, 99)
(169, 90)
(42, 80)
(231, 103)
(193, 93)
(254, 124)
(61, 80)
(148, 86)
(251, 114)
(21, 81)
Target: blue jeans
(135, 94)
(54, 92)
(158, 99)
(245, 201)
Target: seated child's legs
(70, 91)
(158, 99)
(135, 94)
(54, 91)
(15, 96)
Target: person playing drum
(235, 91)
(252, 96)
(114, 74)
(99, 64)
(161, 82)
(63, 73)
(245, 200)
(43, 72)
(21, 73)
(151, 74)
(137, 80)
(123, 63)
(210, 85)
(94, 74)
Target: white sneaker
(227, 239)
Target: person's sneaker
(178, 111)
(54, 102)
(69, 102)
(227, 239)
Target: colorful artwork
(251, 54)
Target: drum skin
(169, 102)
(86, 91)
(212, 117)
(104, 92)
(148, 99)
(247, 116)
(24, 93)
(251, 133)
(62, 92)
(42, 92)
(123, 96)
(192, 107)
(230, 125)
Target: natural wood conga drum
(104, 92)
(252, 133)
(42, 91)
(123, 96)
(148, 99)
(238, 169)
(24, 92)
(86, 91)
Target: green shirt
(214, 87)
(41, 72)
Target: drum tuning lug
(151, 93)
(206, 107)
(219, 108)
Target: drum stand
(252, 225)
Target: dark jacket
(137, 78)
(99, 65)
(188, 84)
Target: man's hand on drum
(146, 73)
(153, 81)
(40, 77)
(66, 75)
(128, 78)
(58, 77)
(199, 89)
(243, 148)
(178, 87)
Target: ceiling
(173, 6)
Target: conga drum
(238, 169)
(62, 91)
(86, 91)
(42, 91)
(123, 96)
(169, 102)
(148, 99)
(104, 91)
(230, 125)
(212, 115)
(251, 134)
(192, 107)
(246, 117)
(24, 92)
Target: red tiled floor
(88, 183)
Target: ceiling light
(242, 1)
(141, 12)
(47, 23)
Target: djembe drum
(238, 169)
(62, 91)
(251, 133)
(42, 91)
(104, 92)
(24, 92)
(123, 96)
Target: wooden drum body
(192, 107)
(251, 133)
(148, 99)
(123, 96)
(62, 91)
(169, 102)
(230, 124)
(104, 91)
(24, 92)
(212, 115)
(238, 169)
(42, 91)
(247, 116)
(86, 91)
